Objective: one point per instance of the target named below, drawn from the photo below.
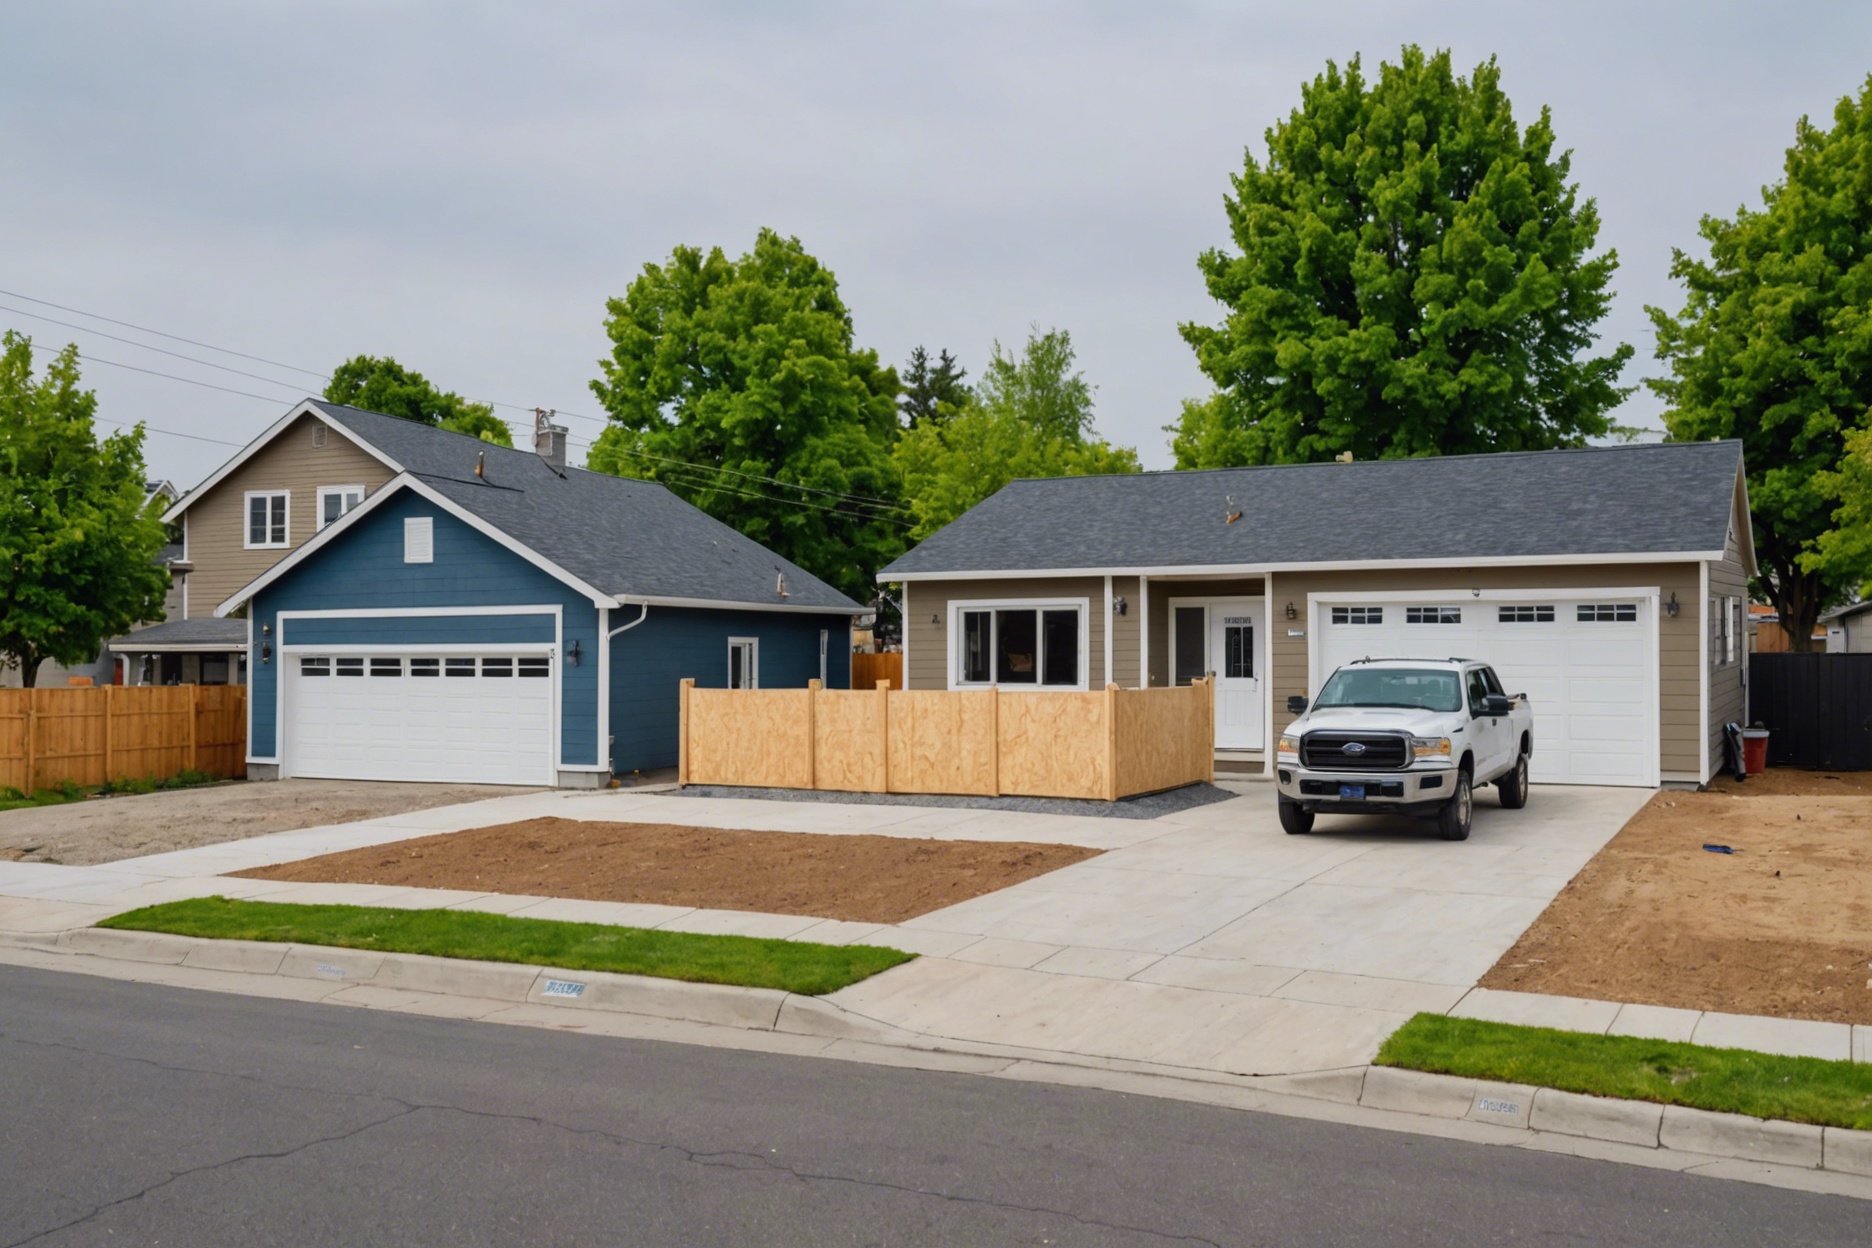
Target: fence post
(813, 687)
(682, 731)
(1111, 741)
(1206, 739)
(32, 727)
(883, 691)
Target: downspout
(604, 677)
(625, 628)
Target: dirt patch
(867, 879)
(106, 829)
(1783, 926)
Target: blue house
(494, 616)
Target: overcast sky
(462, 186)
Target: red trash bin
(1754, 750)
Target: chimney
(549, 440)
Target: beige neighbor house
(1609, 585)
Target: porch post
(1143, 632)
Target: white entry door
(1223, 636)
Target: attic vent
(318, 435)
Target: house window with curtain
(1038, 646)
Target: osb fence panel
(868, 670)
(848, 740)
(1053, 744)
(943, 742)
(1164, 738)
(92, 735)
(759, 737)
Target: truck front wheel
(1296, 821)
(1453, 819)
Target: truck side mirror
(1296, 705)
(1497, 704)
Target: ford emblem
(1354, 748)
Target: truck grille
(1325, 750)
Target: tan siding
(1679, 725)
(217, 520)
(1125, 632)
(928, 666)
(1727, 684)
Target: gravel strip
(1144, 806)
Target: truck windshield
(1392, 686)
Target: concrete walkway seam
(1536, 1110)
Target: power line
(144, 346)
(143, 329)
(193, 437)
(96, 359)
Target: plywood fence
(1107, 744)
(89, 736)
(869, 669)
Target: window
(1737, 636)
(1358, 615)
(1433, 615)
(535, 665)
(386, 667)
(1392, 686)
(1478, 691)
(1237, 651)
(1608, 612)
(1525, 615)
(314, 667)
(419, 539)
(1037, 646)
(350, 667)
(335, 500)
(425, 667)
(497, 667)
(743, 663)
(267, 515)
(1725, 631)
(1191, 629)
(318, 436)
(460, 667)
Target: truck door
(1485, 731)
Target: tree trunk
(29, 671)
(1797, 597)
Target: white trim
(405, 481)
(958, 606)
(302, 408)
(247, 542)
(382, 613)
(419, 648)
(1111, 622)
(753, 646)
(1342, 565)
(178, 647)
(1143, 632)
(1267, 706)
(1703, 670)
(903, 621)
(185, 559)
(341, 491)
(1453, 597)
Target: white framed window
(1524, 615)
(1738, 637)
(1433, 615)
(1358, 615)
(1725, 626)
(1608, 612)
(419, 539)
(269, 519)
(744, 662)
(1034, 645)
(335, 500)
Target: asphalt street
(133, 1114)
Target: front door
(1235, 660)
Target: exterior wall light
(1291, 613)
(1671, 608)
(1119, 606)
(266, 652)
(936, 619)
(572, 652)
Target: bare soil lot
(1783, 926)
(106, 829)
(867, 879)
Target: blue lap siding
(364, 570)
(649, 662)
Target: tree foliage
(1031, 416)
(930, 389)
(736, 384)
(78, 546)
(1412, 276)
(380, 384)
(1774, 346)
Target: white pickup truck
(1411, 736)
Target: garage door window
(535, 666)
(386, 667)
(1525, 615)
(350, 667)
(1433, 615)
(461, 667)
(315, 667)
(1608, 612)
(1358, 615)
(497, 667)
(425, 667)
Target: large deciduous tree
(1774, 346)
(78, 544)
(1412, 275)
(736, 384)
(1031, 416)
(380, 384)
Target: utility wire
(95, 359)
(144, 329)
(143, 346)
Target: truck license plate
(1351, 792)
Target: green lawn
(795, 966)
(13, 799)
(1735, 1081)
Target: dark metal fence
(1817, 708)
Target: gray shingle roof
(627, 538)
(204, 631)
(1660, 497)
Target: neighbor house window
(335, 500)
(1358, 615)
(743, 663)
(1433, 615)
(1038, 646)
(1525, 615)
(1608, 612)
(267, 515)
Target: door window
(1238, 651)
(743, 667)
(1478, 691)
(1191, 627)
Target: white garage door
(482, 718)
(1586, 665)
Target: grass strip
(790, 965)
(1731, 1081)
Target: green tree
(928, 390)
(1413, 277)
(78, 547)
(735, 383)
(380, 384)
(1774, 346)
(1031, 416)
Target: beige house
(1609, 585)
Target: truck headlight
(1291, 745)
(1430, 747)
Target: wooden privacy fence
(1817, 709)
(90, 736)
(869, 670)
(1106, 744)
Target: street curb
(1537, 1111)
